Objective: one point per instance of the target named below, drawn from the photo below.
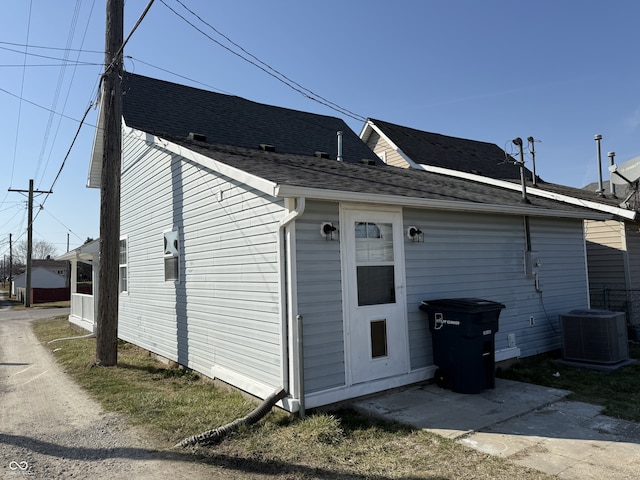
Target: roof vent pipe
(600, 190)
(612, 186)
(533, 159)
(518, 142)
(339, 157)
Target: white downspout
(289, 328)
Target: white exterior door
(374, 294)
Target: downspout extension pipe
(217, 434)
(90, 335)
(300, 204)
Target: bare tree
(40, 250)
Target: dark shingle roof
(454, 153)
(163, 108)
(591, 194)
(326, 174)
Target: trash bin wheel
(442, 378)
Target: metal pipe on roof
(339, 157)
(518, 142)
(533, 159)
(612, 186)
(600, 191)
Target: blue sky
(560, 71)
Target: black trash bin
(463, 332)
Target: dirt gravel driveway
(50, 428)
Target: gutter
(290, 333)
(621, 212)
(416, 202)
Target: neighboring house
(59, 267)
(613, 250)
(410, 148)
(84, 297)
(613, 246)
(284, 268)
(41, 278)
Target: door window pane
(374, 242)
(376, 285)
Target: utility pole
(107, 319)
(10, 264)
(31, 191)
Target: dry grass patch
(617, 390)
(173, 403)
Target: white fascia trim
(629, 214)
(260, 184)
(334, 395)
(507, 353)
(249, 385)
(405, 157)
(95, 162)
(284, 191)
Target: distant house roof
(50, 264)
(40, 278)
(454, 153)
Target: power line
(42, 65)
(64, 106)
(22, 99)
(58, 89)
(64, 160)
(50, 48)
(15, 145)
(46, 57)
(267, 68)
(342, 109)
(57, 220)
(134, 59)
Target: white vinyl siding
(475, 255)
(462, 255)
(320, 298)
(224, 312)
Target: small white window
(171, 256)
(123, 266)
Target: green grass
(172, 403)
(618, 390)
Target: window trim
(123, 266)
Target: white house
(251, 254)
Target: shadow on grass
(164, 372)
(239, 464)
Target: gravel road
(51, 429)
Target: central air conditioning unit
(594, 336)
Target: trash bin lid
(471, 305)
